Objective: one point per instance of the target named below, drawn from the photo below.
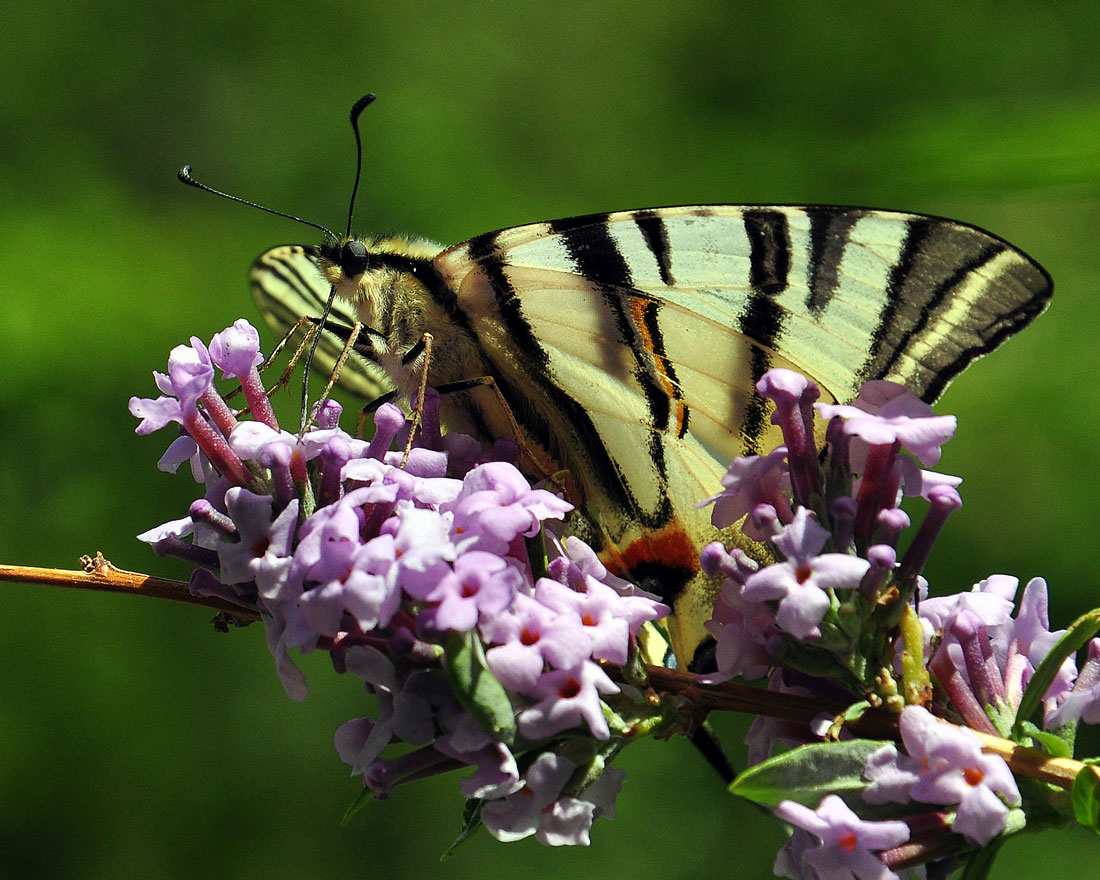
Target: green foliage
(808, 773)
(1086, 797)
(476, 688)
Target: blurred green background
(134, 741)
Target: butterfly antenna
(356, 110)
(184, 175)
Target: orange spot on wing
(670, 547)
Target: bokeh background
(136, 742)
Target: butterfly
(624, 347)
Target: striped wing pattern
(627, 345)
(286, 286)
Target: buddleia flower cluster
(840, 612)
(493, 643)
(430, 571)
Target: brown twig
(99, 574)
(874, 724)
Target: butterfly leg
(423, 346)
(334, 375)
(307, 338)
(369, 409)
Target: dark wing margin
(956, 293)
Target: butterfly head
(372, 272)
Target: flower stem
(99, 574)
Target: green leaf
(471, 822)
(1051, 742)
(361, 800)
(808, 773)
(1086, 797)
(1075, 638)
(476, 688)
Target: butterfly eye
(353, 258)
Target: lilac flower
(529, 636)
(541, 809)
(1083, 701)
(885, 413)
(520, 814)
(236, 351)
(262, 552)
(578, 568)
(750, 481)
(945, 765)
(497, 773)
(742, 632)
(847, 844)
(497, 505)
(794, 395)
(800, 582)
(190, 379)
(566, 698)
(480, 584)
(403, 713)
(985, 658)
(596, 609)
(351, 578)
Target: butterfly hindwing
(286, 285)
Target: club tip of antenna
(362, 104)
(184, 174)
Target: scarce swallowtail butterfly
(626, 345)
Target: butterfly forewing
(627, 345)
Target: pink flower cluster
(404, 570)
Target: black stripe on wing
(596, 258)
(488, 256)
(830, 229)
(655, 235)
(763, 319)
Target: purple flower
(351, 577)
(794, 395)
(985, 659)
(190, 378)
(945, 765)
(597, 610)
(528, 637)
(497, 505)
(885, 413)
(566, 698)
(480, 584)
(800, 582)
(236, 350)
(742, 631)
(847, 844)
(750, 481)
(540, 807)
(263, 551)
(521, 814)
(1083, 701)
(497, 773)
